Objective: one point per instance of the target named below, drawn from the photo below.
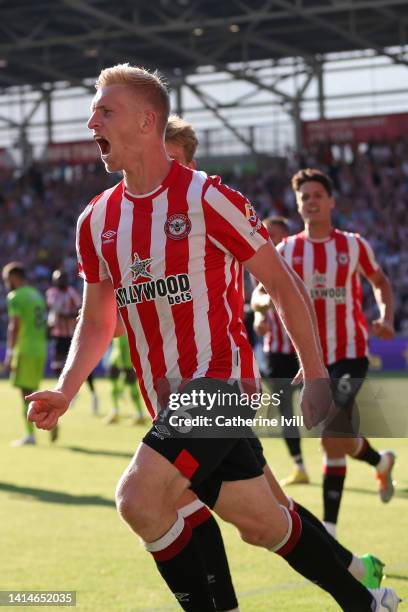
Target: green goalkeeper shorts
(28, 371)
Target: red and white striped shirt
(276, 339)
(63, 305)
(331, 270)
(174, 258)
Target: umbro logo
(108, 236)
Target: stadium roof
(44, 41)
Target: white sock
(331, 528)
(356, 568)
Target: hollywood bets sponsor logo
(329, 293)
(177, 226)
(175, 288)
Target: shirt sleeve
(90, 265)
(231, 221)
(366, 258)
(13, 306)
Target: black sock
(367, 453)
(293, 445)
(333, 483)
(180, 563)
(208, 536)
(90, 381)
(345, 556)
(310, 554)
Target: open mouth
(103, 144)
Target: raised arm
(296, 311)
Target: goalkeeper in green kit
(26, 350)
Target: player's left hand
(383, 329)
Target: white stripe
(97, 227)
(125, 259)
(235, 360)
(334, 462)
(331, 327)
(196, 272)
(190, 508)
(308, 264)
(163, 308)
(168, 538)
(288, 533)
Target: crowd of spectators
(39, 210)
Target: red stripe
(175, 547)
(221, 358)
(149, 319)
(294, 535)
(279, 334)
(177, 259)
(320, 265)
(358, 317)
(341, 281)
(331, 470)
(199, 517)
(186, 464)
(89, 268)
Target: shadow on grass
(54, 497)
(395, 576)
(98, 452)
(399, 493)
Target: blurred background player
(63, 303)
(26, 351)
(330, 262)
(121, 375)
(281, 364)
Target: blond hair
(179, 131)
(149, 85)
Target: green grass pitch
(60, 531)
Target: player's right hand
(316, 401)
(46, 407)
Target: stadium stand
(371, 196)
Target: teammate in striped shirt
(281, 362)
(164, 246)
(63, 303)
(331, 262)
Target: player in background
(26, 350)
(181, 144)
(129, 116)
(63, 303)
(330, 262)
(281, 363)
(121, 375)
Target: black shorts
(281, 365)
(207, 462)
(257, 448)
(347, 377)
(60, 351)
